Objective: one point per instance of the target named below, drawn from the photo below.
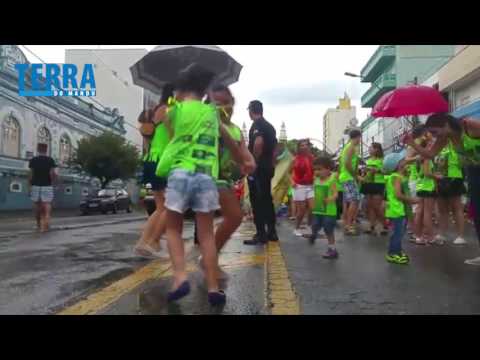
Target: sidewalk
(16, 225)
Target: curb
(79, 226)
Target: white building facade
(59, 122)
(335, 122)
(115, 88)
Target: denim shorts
(42, 194)
(325, 222)
(350, 191)
(191, 190)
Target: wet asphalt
(361, 282)
(46, 273)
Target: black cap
(255, 107)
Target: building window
(44, 137)
(65, 149)
(15, 187)
(10, 133)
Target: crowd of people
(196, 159)
(406, 191)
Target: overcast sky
(296, 83)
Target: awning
(470, 110)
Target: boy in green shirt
(395, 165)
(325, 204)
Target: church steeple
(283, 133)
(245, 132)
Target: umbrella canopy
(410, 100)
(163, 64)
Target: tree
(107, 157)
(316, 152)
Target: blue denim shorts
(325, 222)
(186, 190)
(351, 192)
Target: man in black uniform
(262, 144)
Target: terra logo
(59, 80)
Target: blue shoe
(182, 291)
(216, 298)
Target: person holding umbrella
(191, 163)
(464, 135)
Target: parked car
(147, 199)
(107, 200)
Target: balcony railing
(383, 57)
(383, 84)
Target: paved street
(91, 270)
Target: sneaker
(397, 259)
(330, 254)
(297, 232)
(257, 240)
(475, 261)
(440, 238)
(420, 241)
(459, 241)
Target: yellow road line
(281, 296)
(155, 270)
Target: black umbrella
(163, 64)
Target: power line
(90, 98)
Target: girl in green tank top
(374, 188)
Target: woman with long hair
(302, 180)
(374, 188)
(230, 170)
(464, 136)
(157, 137)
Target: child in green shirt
(325, 204)
(395, 210)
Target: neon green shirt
(158, 144)
(470, 154)
(344, 173)
(376, 163)
(229, 169)
(322, 190)
(395, 208)
(194, 146)
(425, 183)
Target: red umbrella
(381, 103)
(410, 100)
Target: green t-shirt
(376, 163)
(344, 173)
(158, 144)
(337, 181)
(194, 146)
(425, 183)
(229, 169)
(322, 190)
(395, 208)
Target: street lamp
(361, 77)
